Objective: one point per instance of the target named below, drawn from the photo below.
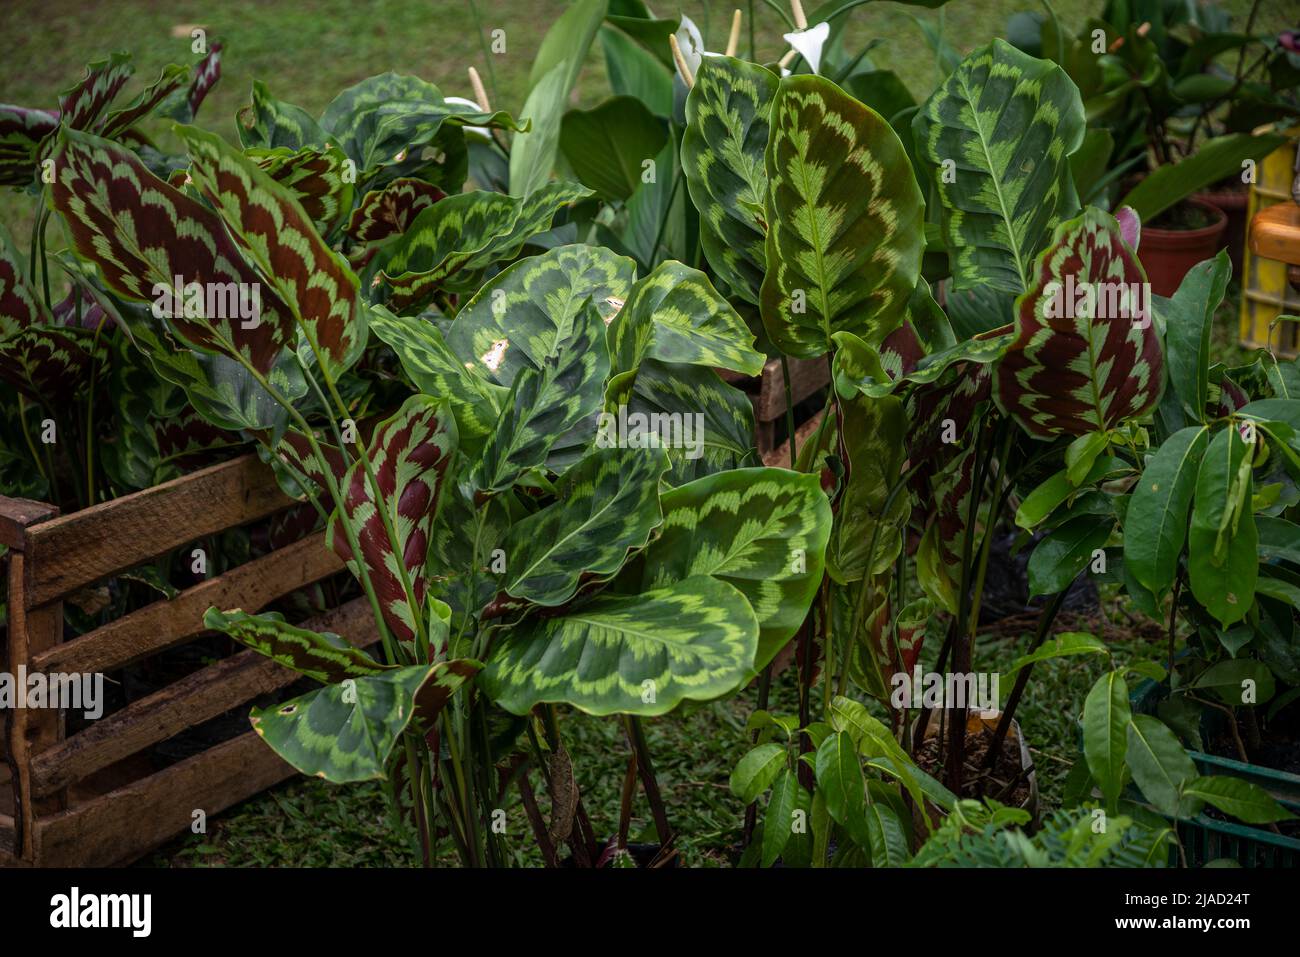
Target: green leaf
(628, 654)
(1189, 321)
(1238, 681)
(778, 822)
(762, 530)
(312, 280)
(608, 145)
(1038, 505)
(1063, 645)
(755, 772)
(1160, 766)
(1081, 454)
(323, 656)
(1155, 524)
(1210, 162)
(1221, 543)
(998, 134)
(889, 847)
(1066, 551)
(873, 441)
(1243, 800)
(727, 117)
(845, 221)
(1106, 716)
(674, 314)
(839, 778)
(272, 124)
(606, 506)
(1087, 355)
(345, 732)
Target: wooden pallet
(94, 798)
(767, 392)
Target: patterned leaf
(271, 124)
(860, 370)
(474, 399)
(872, 442)
(1082, 362)
(674, 314)
(1000, 131)
(545, 404)
(81, 105)
(20, 305)
(845, 228)
(205, 76)
(727, 115)
(378, 121)
(606, 506)
(461, 544)
(323, 656)
(21, 132)
(317, 179)
(384, 213)
(143, 234)
(449, 243)
(313, 281)
(762, 530)
(346, 732)
(607, 145)
(169, 81)
(631, 654)
(409, 455)
(47, 363)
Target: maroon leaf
(387, 212)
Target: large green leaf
(674, 314)
(408, 454)
(756, 770)
(607, 145)
(1087, 354)
(1066, 551)
(1188, 322)
(635, 654)
(142, 234)
(763, 530)
(345, 732)
(323, 656)
(1243, 800)
(1155, 524)
(1106, 717)
(998, 135)
(1216, 159)
(1160, 766)
(845, 230)
(727, 116)
(606, 506)
(839, 780)
(451, 242)
(313, 281)
(272, 124)
(778, 822)
(873, 443)
(1222, 564)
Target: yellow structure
(1265, 292)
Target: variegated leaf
(727, 116)
(872, 437)
(607, 505)
(451, 242)
(675, 315)
(317, 178)
(205, 75)
(845, 221)
(143, 234)
(312, 280)
(20, 305)
(1087, 354)
(48, 364)
(81, 105)
(544, 404)
(474, 398)
(762, 530)
(169, 81)
(999, 133)
(384, 213)
(409, 454)
(271, 124)
(21, 132)
(323, 656)
(629, 654)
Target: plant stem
(789, 409)
(31, 446)
(645, 767)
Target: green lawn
(306, 52)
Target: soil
(929, 758)
(1182, 217)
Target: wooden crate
(767, 392)
(94, 798)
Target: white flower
(808, 43)
(461, 101)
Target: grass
(306, 53)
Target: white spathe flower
(808, 43)
(461, 101)
(691, 43)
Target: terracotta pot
(1233, 204)
(1167, 254)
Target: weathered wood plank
(806, 377)
(197, 697)
(780, 456)
(122, 825)
(164, 624)
(75, 550)
(17, 514)
(8, 836)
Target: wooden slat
(17, 514)
(806, 377)
(7, 834)
(196, 698)
(166, 623)
(75, 550)
(130, 821)
(1275, 233)
(780, 456)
